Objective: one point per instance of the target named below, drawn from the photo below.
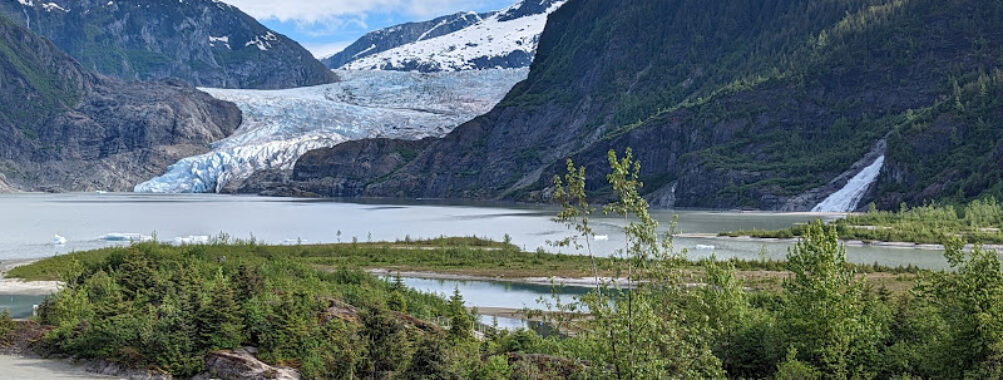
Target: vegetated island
(979, 222)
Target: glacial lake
(29, 223)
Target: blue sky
(327, 26)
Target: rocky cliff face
(203, 42)
(65, 129)
(764, 104)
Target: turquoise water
(20, 306)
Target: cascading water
(848, 198)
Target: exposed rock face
(344, 170)
(4, 187)
(242, 364)
(65, 129)
(721, 114)
(204, 42)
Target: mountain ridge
(204, 42)
(729, 105)
(501, 39)
(65, 129)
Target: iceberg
(192, 240)
(58, 240)
(126, 237)
(280, 126)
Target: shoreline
(848, 243)
(27, 288)
(578, 282)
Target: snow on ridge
(49, 7)
(491, 38)
(225, 40)
(263, 42)
(848, 198)
(279, 126)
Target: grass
(467, 256)
(978, 223)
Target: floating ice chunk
(130, 237)
(191, 240)
(703, 247)
(602, 237)
(58, 240)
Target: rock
(242, 364)
(120, 371)
(63, 128)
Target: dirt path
(26, 368)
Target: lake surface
(28, 223)
(20, 306)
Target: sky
(326, 27)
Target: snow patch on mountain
(279, 126)
(497, 41)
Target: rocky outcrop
(344, 170)
(63, 128)
(203, 42)
(4, 187)
(242, 364)
(120, 371)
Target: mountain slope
(767, 104)
(65, 129)
(503, 39)
(204, 42)
(388, 38)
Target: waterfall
(848, 198)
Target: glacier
(848, 198)
(279, 126)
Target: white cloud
(324, 50)
(312, 11)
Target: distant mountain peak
(461, 41)
(207, 43)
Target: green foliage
(7, 327)
(162, 307)
(970, 301)
(826, 318)
(635, 328)
(978, 222)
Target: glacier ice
(279, 126)
(848, 198)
